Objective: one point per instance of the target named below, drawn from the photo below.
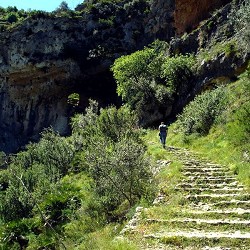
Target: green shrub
(117, 124)
(32, 173)
(16, 203)
(137, 7)
(15, 234)
(202, 112)
(121, 173)
(114, 154)
(43, 184)
(38, 14)
(107, 22)
(239, 124)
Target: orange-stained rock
(188, 13)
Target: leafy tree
(150, 81)
(11, 9)
(177, 72)
(129, 69)
(2, 10)
(63, 7)
(12, 18)
(137, 76)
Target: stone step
(160, 246)
(203, 221)
(206, 169)
(240, 203)
(217, 180)
(243, 195)
(188, 163)
(210, 190)
(207, 174)
(201, 234)
(218, 196)
(220, 178)
(213, 213)
(202, 169)
(206, 224)
(213, 164)
(200, 164)
(199, 240)
(211, 185)
(236, 211)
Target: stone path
(213, 211)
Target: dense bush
(33, 173)
(202, 112)
(239, 122)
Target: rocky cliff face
(46, 58)
(188, 14)
(35, 82)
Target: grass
(217, 148)
(155, 150)
(105, 239)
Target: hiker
(163, 133)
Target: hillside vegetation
(217, 125)
(77, 192)
(12, 16)
(60, 190)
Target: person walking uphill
(163, 134)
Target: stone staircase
(213, 211)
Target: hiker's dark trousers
(163, 136)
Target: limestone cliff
(45, 58)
